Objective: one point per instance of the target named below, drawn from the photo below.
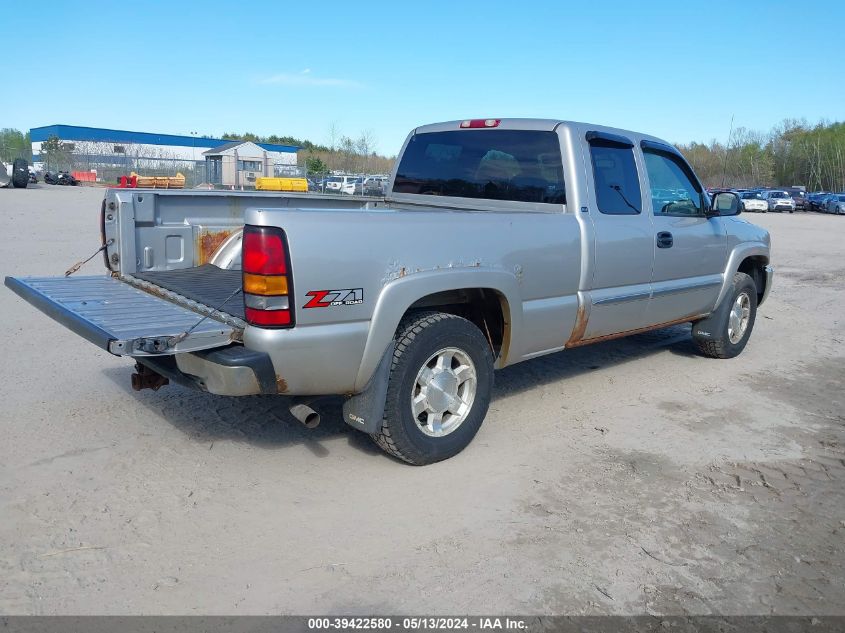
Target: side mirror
(725, 203)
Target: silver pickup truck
(500, 240)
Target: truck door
(621, 285)
(690, 250)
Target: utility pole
(194, 155)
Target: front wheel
(725, 333)
(439, 389)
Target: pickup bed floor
(206, 284)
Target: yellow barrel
(281, 184)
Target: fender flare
(400, 294)
(737, 256)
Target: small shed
(237, 164)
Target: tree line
(14, 144)
(792, 153)
(343, 153)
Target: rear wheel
(441, 379)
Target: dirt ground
(629, 477)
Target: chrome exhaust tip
(305, 414)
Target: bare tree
(334, 134)
(364, 146)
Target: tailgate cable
(79, 265)
(181, 337)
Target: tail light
(477, 123)
(266, 277)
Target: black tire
(711, 335)
(20, 174)
(420, 336)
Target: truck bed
(206, 284)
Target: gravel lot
(628, 477)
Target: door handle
(664, 239)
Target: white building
(239, 163)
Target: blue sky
(677, 70)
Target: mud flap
(364, 410)
(707, 328)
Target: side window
(673, 192)
(615, 175)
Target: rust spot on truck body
(281, 385)
(581, 319)
(649, 328)
(209, 242)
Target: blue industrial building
(144, 144)
(112, 153)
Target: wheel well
(484, 307)
(754, 267)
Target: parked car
(481, 257)
(823, 202)
(814, 200)
(364, 184)
(836, 204)
(779, 201)
(800, 199)
(341, 184)
(751, 201)
(375, 186)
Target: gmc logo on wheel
(331, 298)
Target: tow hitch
(146, 378)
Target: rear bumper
(229, 371)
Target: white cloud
(305, 78)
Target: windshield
(516, 165)
(334, 179)
(750, 195)
(778, 194)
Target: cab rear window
(514, 165)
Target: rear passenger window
(615, 175)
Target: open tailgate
(120, 318)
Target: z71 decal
(331, 298)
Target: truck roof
(543, 125)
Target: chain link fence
(109, 169)
(107, 163)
